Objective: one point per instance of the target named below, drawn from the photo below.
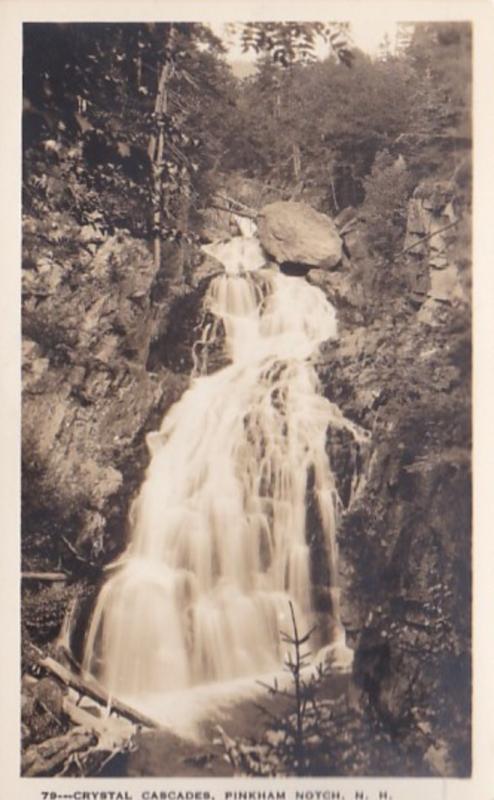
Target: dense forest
(138, 144)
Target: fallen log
(49, 577)
(96, 692)
(44, 759)
(112, 731)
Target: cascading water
(218, 542)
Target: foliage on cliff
(322, 124)
(89, 95)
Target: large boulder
(296, 233)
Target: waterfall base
(190, 713)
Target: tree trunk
(96, 692)
(297, 164)
(48, 757)
(46, 577)
(333, 192)
(156, 151)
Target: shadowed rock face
(405, 538)
(88, 323)
(413, 660)
(292, 268)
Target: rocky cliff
(401, 368)
(93, 309)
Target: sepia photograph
(246, 536)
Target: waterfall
(218, 545)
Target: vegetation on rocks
(382, 145)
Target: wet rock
(336, 657)
(218, 224)
(49, 693)
(207, 268)
(343, 291)
(91, 535)
(238, 254)
(434, 193)
(295, 232)
(345, 217)
(181, 347)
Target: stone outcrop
(405, 540)
(217, 224)
(90, 317)
(297, 234)
(431, 222)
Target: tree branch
(48, 577)
(249, 214)
(429, 236)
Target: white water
(218, 543)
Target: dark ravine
(106, 346)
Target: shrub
(387, 189)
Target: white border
(481, 13)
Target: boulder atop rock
(296, 233)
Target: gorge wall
(401, 368)
(91, 312)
